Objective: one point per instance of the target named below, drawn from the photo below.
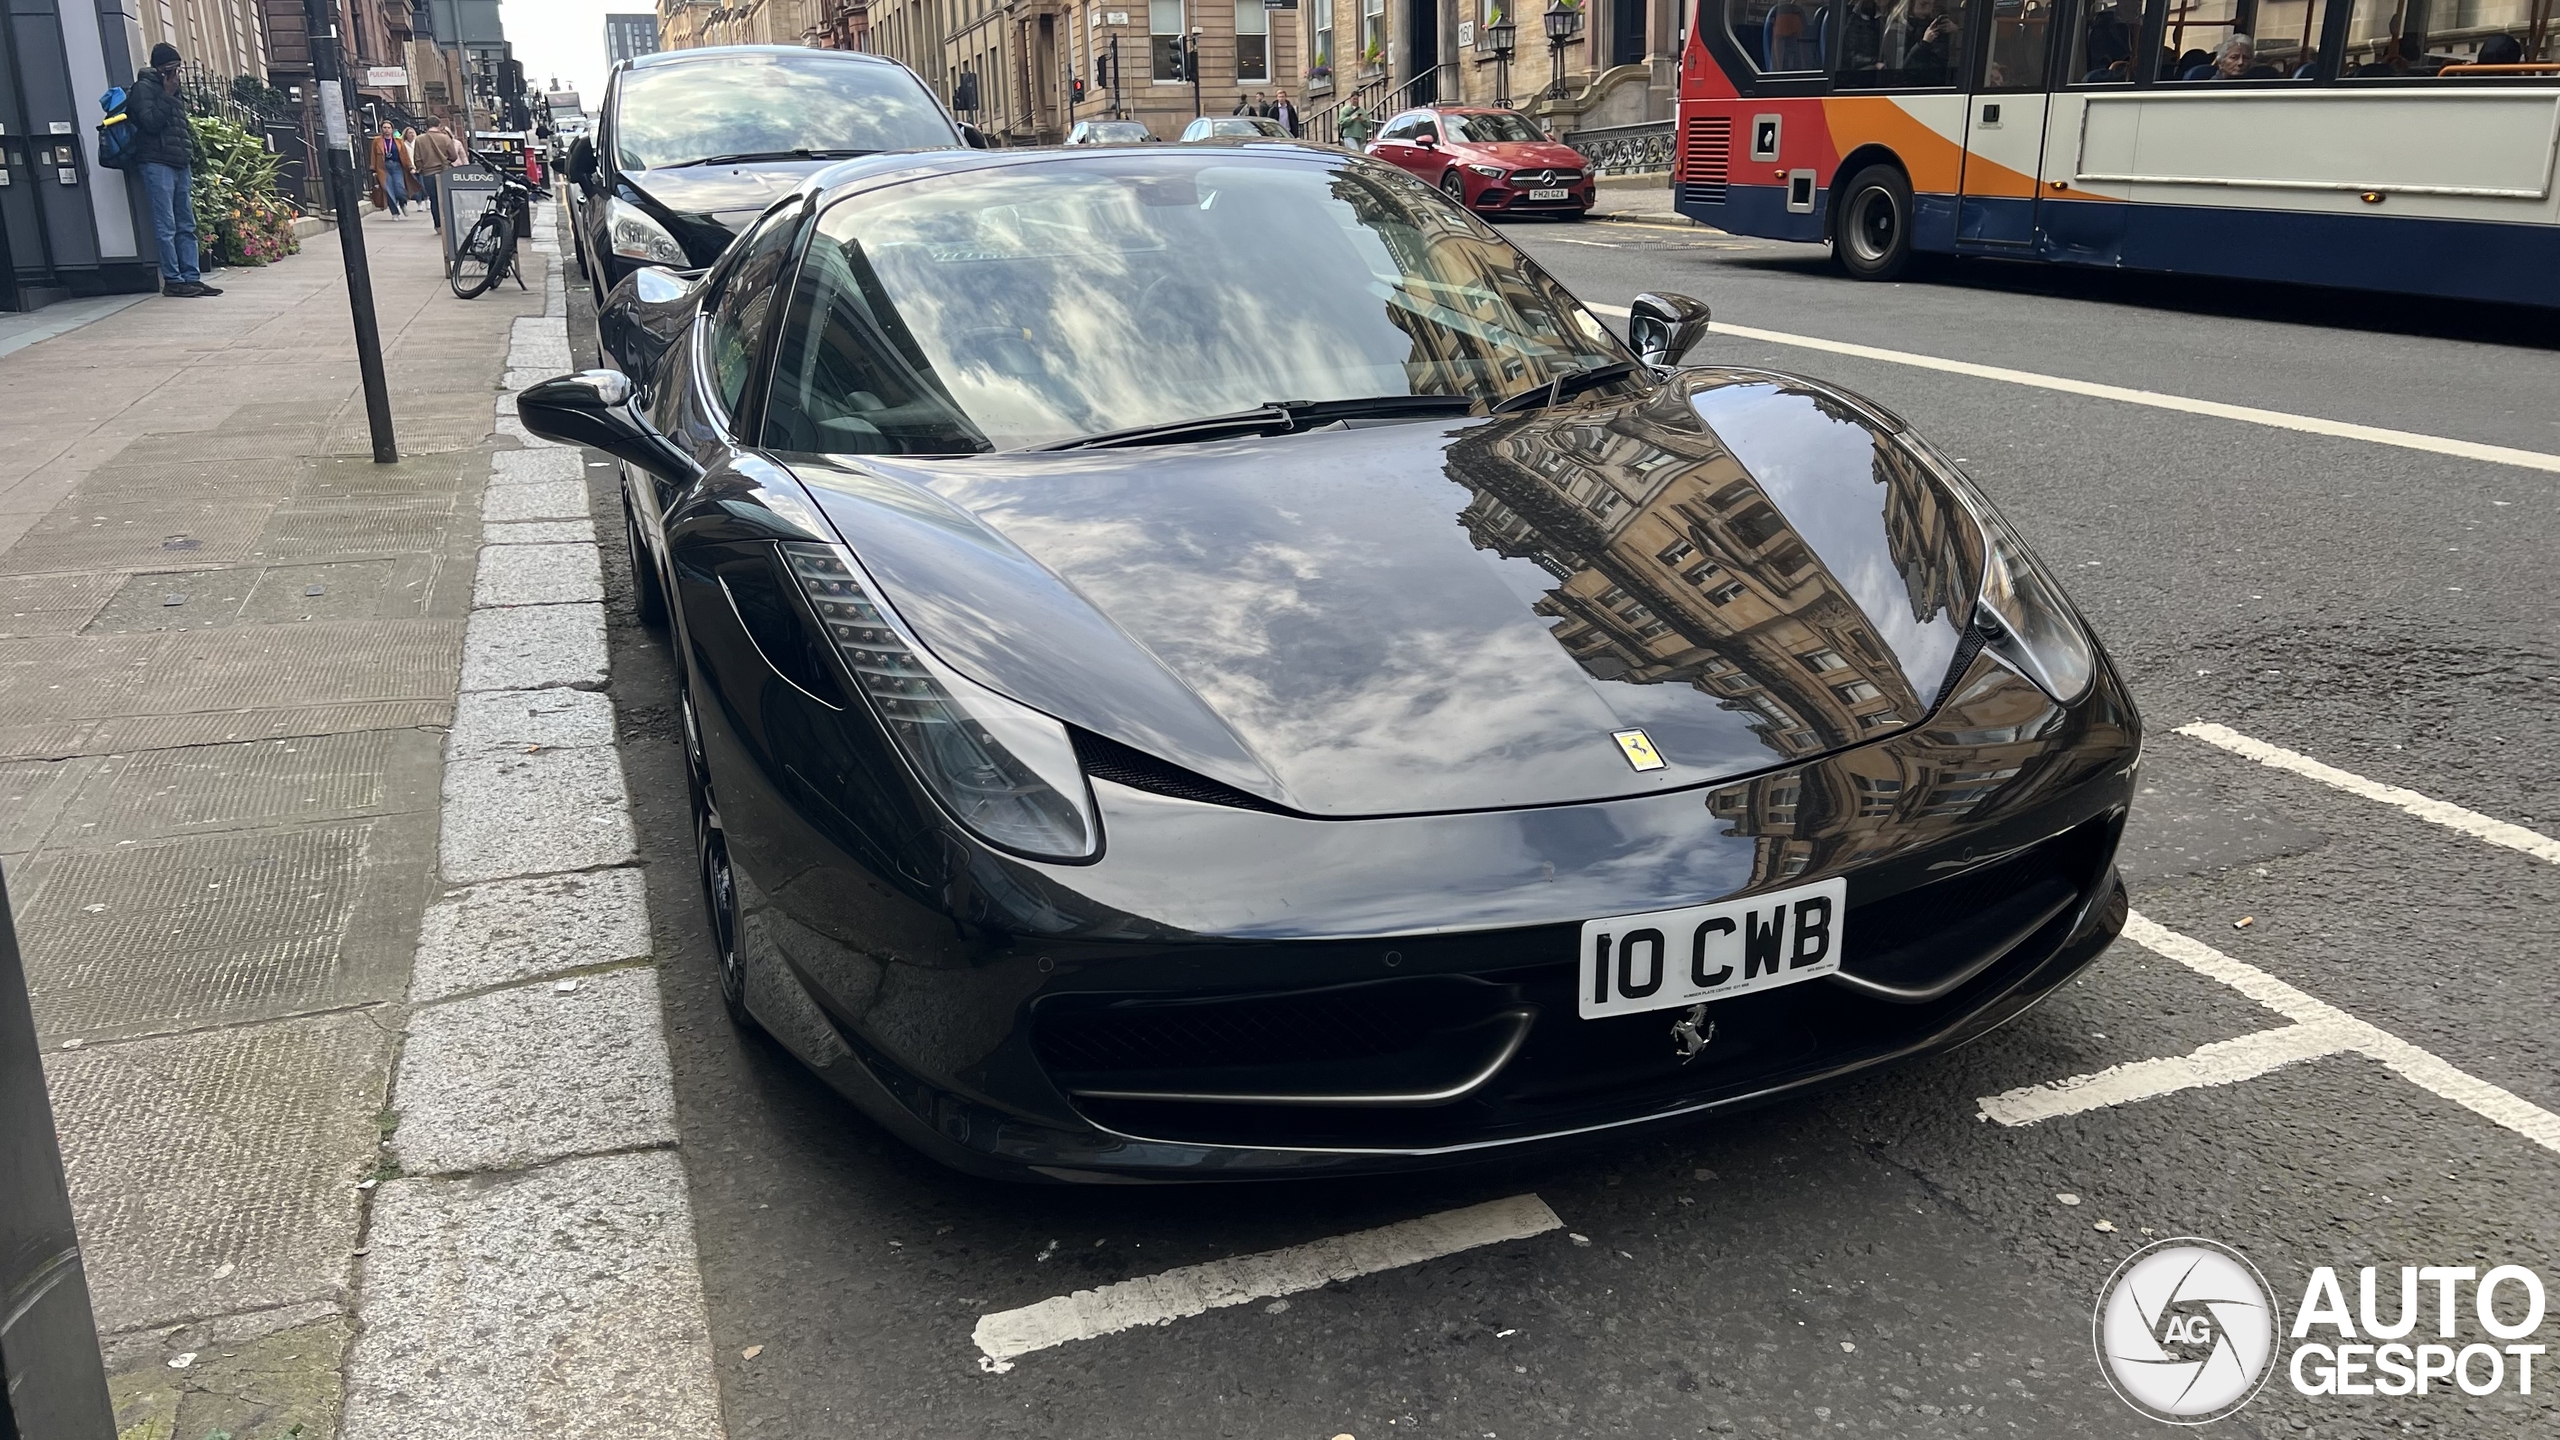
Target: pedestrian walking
(168, 165)
(391, 167)
(436, 155)
(1285, 113)
(1355, 128)
(1248, 104)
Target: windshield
(1115, 130)
(1495, 129)
(1118, 289)
(1245, 126)
(771, 105)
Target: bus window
(2241, 40)
(2103, 53)
(2380, 46)
(1908, 44)
(1779, 36)
(2018, 34)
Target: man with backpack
(166, 160)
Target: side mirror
(1661, 327)
(582, 161)
(976, 138)
(594, 408)
(1427, 140)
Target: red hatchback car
(1495, 162)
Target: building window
(1164, 37)
(1856, 692)
(1878, 795)
(1823, 662)
(1253, 41)
(1679, 550)
(1373, 33)
(1878, 720)
(1322, 55)
(1654, 631)
(1726, 593)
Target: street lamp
(1501, 37)
(1564, 26)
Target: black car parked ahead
(692, 144)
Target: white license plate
(1667, 958)
(1549, 194)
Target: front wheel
(1454, 185)
(719, 882)
(481, 257)
(1872, 224)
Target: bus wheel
(1872, 227)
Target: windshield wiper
(745, 157)
(1570, 382)
(1273, 417)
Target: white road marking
(1196, 1289)
(1600, 244)
(2282, 420)
(2224, 1062)
(2452, 817)
(2316, 1023)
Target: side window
(1397, 129)
(1911, 45)
(850, 378)
(1779, 36)
(2382, 45)
(1427, 127)
(2212, 40)
(2020, 35)
(743, 310)
(2109, 38)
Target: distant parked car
(1109, 132)
(1233, 127)
(1495, 162)
(693, 144)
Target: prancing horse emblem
(1639, 750)
(1688, 1037)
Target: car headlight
(638, 237)
(2021, 612)
(1490, 172)
(1005, 770)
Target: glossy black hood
(1417, 617)
(705, 206)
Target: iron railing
(1626, 149)
(1374, 101)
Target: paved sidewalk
(236, 752)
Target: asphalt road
(1880, 1260)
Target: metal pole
(319, 28)
(1191, 63)
(53, 1385)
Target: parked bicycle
(487, 253)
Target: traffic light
(1075, 90)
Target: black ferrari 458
(1208, 663)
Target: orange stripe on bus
(1936, 163)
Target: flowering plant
(244, 218)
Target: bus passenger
(1933, 42)
(2500, 49)
(2231, 62)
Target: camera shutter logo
(2186, 1330)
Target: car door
(1394, 144)
(1426, 156)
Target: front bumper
(996, 1014)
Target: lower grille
(1706, 161)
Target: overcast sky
(564, 39)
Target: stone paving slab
(510, 931)
(538, 575)
(524, 1076)
(533, 646)
(534, 814)
(588, 1270)
(523, 467)
(215, 1172)
(536, 500)
(515, 721)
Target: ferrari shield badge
(1639, 749)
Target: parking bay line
(2282, 420)
(2452, 817)
(2318, 1028)
(1196, 1289)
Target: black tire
(1454, 185)
(719, 882)
(1871, 224)
(481, 257)
(648, 597)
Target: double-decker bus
(2362, 143)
